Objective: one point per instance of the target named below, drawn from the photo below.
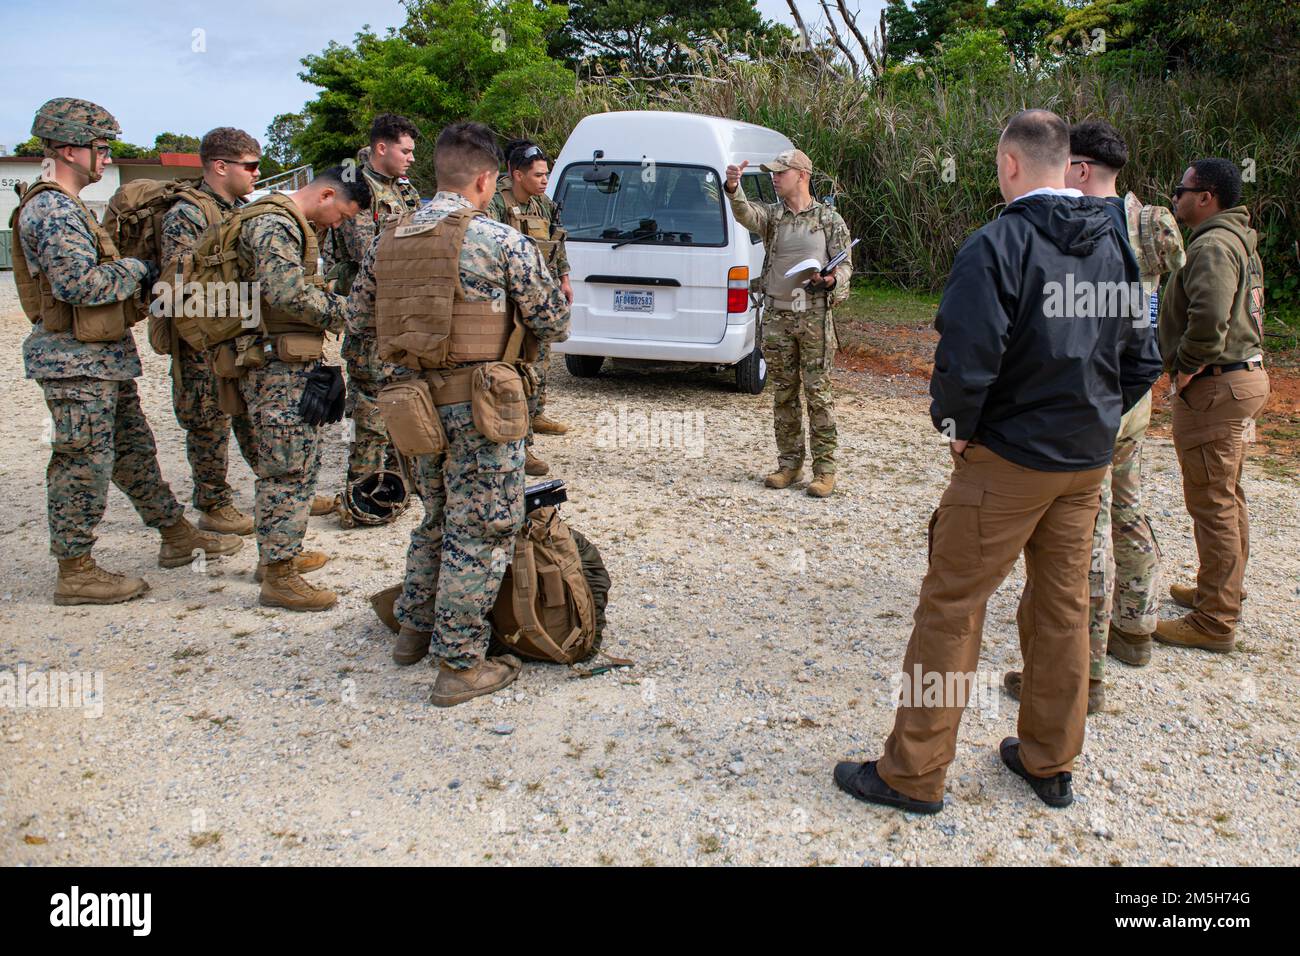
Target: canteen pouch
(299, 347)
(412, 422)
(498, 403)
(160, 334)
(99, 323)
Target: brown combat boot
(181, 541)
(322, 505)
(1182, 634)
(226, 519)
(821, 486)
(783, 477)
(284, 587)
(1184, 595)
(304, 562)
(455, 687)
(534, 465)
(1011, 680)
(411, 646)
(548, 426)
(82, 581)
(1132, 649)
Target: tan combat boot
(304, 562)
(1132, 649)
(82, 581)
(284, 587)
(1182, 634)
(1185, 595)
(322, 505)
(548, 426)
(534, 465)
(227, 519)
(455, 687)
(411, 646)
(821, 486)
(783, 477)
(1011, 680)
(181, 541)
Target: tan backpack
(134, 219)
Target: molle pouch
(56, 313)
(499, 405)
(99, 323)
(251, 352)
(224, 364)
(411, 419)
(299, 347)
(160, 334)
(531, 378)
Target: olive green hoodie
(1212, 311)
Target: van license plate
(629, 300)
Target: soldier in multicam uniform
(230, 164)
(383, 165)
(473, 490)
(1123, 575)
(798, 329)
(520, 201)
(73, 286)
(278, 250)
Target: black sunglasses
(1179, 190)
(250, 167)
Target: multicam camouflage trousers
(98, 434)
(368, 436)
(1123, 576)
(473, 496)
(537, 400)
(288, 456)
(207, 429)
(799, 349)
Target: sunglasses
(1179, 190)
(248, 167)
(102, 150)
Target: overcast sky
(139, 59)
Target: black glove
(323, 396)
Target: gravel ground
(764, 625)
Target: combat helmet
(77, 122)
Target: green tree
(451, 60)
(916, 31)
(654, 36)
(279, 139)
(175, 143)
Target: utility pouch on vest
(160, 334)
(532, 380)
(299, 347)
(56, 312)
(251, 352)
(99, 323)
(498, 404)
(412, 422)
(223, 361)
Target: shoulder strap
(104, 242)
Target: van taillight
(738, 289)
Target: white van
(660, 269)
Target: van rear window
(655, 204)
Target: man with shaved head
(1039, 354)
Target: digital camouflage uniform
(542, 206)
(799, 344)
(348, 243)
(288, 449)
(98, 432)
(194, 386)
(472, 492)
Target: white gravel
(764, 625)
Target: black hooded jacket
(1037, 359)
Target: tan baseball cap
(790, 159)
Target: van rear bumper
(737, 342)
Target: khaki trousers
(991, 512)
(1210, 418)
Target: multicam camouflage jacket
(494, 257)
(766, 219)
(58, 243)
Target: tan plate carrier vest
(422, 318)
(535, 227)
(37, 295)
(277, 321)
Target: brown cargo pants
(1210, 418)
(991, 512)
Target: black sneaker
(861, 781)
(1055, 791)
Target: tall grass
(883, 149)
